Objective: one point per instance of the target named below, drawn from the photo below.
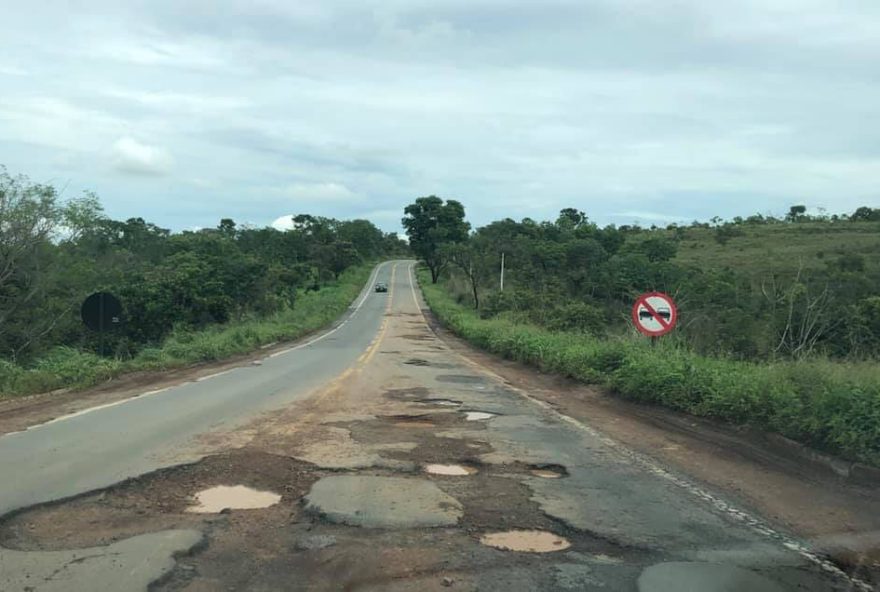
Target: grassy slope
(830, 406)
(70, 368)
(776, 248)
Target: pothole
(548, 471)
(450, 470)
(526, 541)
(417, 362)
(414, 423)
(410, 421)
(441, 402)
(459, 378)
(478, 415)
(237, 497)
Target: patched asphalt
(126, 566)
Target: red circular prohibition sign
(654, 314)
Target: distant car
(380, 287)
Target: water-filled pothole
(548, 471)
(478, 415)
(237, 497)
(417, 362)
(450, 470)
(527, 541)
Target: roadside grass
(827, 405)
(67, 367)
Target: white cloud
(318, 192)
(648, 216)
(283, 223)
(8, 70)
(620, 108)
(133, 157)
(174, 101)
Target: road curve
(100, 446)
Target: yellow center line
(374, 346)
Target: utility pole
(502, 271)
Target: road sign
(654, 314)
(101, 311)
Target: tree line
(570, 274)
(55, 252)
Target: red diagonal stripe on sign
(655, 314)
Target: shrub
(831, 406)
(69, 367)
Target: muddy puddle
(545, 474)
(478, 415)
(237, 497)
(450, 470)
(526, 541)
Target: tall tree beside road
(430, 224)
(572, 275)
(54, 252)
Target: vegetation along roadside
(779, 320)
(188, 297)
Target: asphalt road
(400, 464)
(102, 446)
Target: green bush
(831, 406)
(66, 367)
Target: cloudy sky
(631, 110)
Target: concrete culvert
(526, 541)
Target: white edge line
(215, 375)
(756, 524)
(89, 410)
(363, 299)
(340, 325)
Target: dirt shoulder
(807, 499)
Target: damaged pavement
(528, 499)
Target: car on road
(381, 287)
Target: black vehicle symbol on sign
(662, 311)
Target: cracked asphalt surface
(342, 430)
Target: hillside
(781, 248)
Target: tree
(430, 223)
(227, 227)
(474, 261)
(866, 214)
(796, 213)
(29, 215)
